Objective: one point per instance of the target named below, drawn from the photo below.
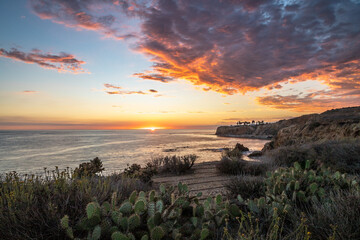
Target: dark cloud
(153, 90)
(231, 46)
(155, 77)
(62, 62)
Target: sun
(152, 129)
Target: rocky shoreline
(262, 137)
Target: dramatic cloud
(62, 62)
(237, 46)
(232, 46)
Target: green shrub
(235, 166)
(174, 164)
(248, 187)
(89, 168)
(145, 174)
(31, 205)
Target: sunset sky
(120, 64)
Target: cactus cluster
(170, 213)
(298, 186)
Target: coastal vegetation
(32, 205)
(295, 188)
(342, 155)
(304, 199)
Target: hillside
(336, 124)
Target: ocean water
(31, 151)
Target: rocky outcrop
(240, 147)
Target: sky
(128, 64)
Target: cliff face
(337, 124)
(267, 130)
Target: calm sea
(31, 151)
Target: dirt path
(205, 178)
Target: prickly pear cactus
(170, 213)
(157, 233)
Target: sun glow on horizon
(152, 128)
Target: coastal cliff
(260, 131)
(337, 124)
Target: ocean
(31, 151)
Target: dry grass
(249, 187)
(338, 217)
(31, 206)
(342, 156)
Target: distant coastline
(335, 124)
